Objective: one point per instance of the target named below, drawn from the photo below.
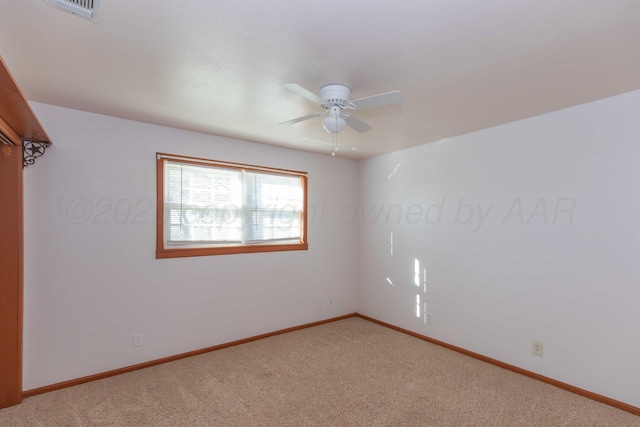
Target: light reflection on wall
(421, 309)
(424, 280)
(391, 243)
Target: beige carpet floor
(346, 373)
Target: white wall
(547, 249)
(91, 277)
(498, 277)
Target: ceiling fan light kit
(334, 123)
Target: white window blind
(217, 206)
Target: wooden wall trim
(77, 381)
(11, 250)
(17, 124)
(15, 110)
(585, 393)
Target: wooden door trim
(18, 123)
(11, 275)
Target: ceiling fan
(335, 98)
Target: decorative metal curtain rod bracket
(31, 150)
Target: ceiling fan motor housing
(335, 94)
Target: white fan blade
(382, 99)
(299, 90)
(303, 118)
(356, 123)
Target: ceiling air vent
(89, 9)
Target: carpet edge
(155, 362)
(568, 387)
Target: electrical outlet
(428, 317)
(330, 301)
(137, 340)
(537, 348)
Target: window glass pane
(273, 204)
(211, 205)
(203, 204)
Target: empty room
(319, 213)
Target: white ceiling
(219, 66)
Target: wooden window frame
(163, 252)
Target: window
(207, 207)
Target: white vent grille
(89, 9)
